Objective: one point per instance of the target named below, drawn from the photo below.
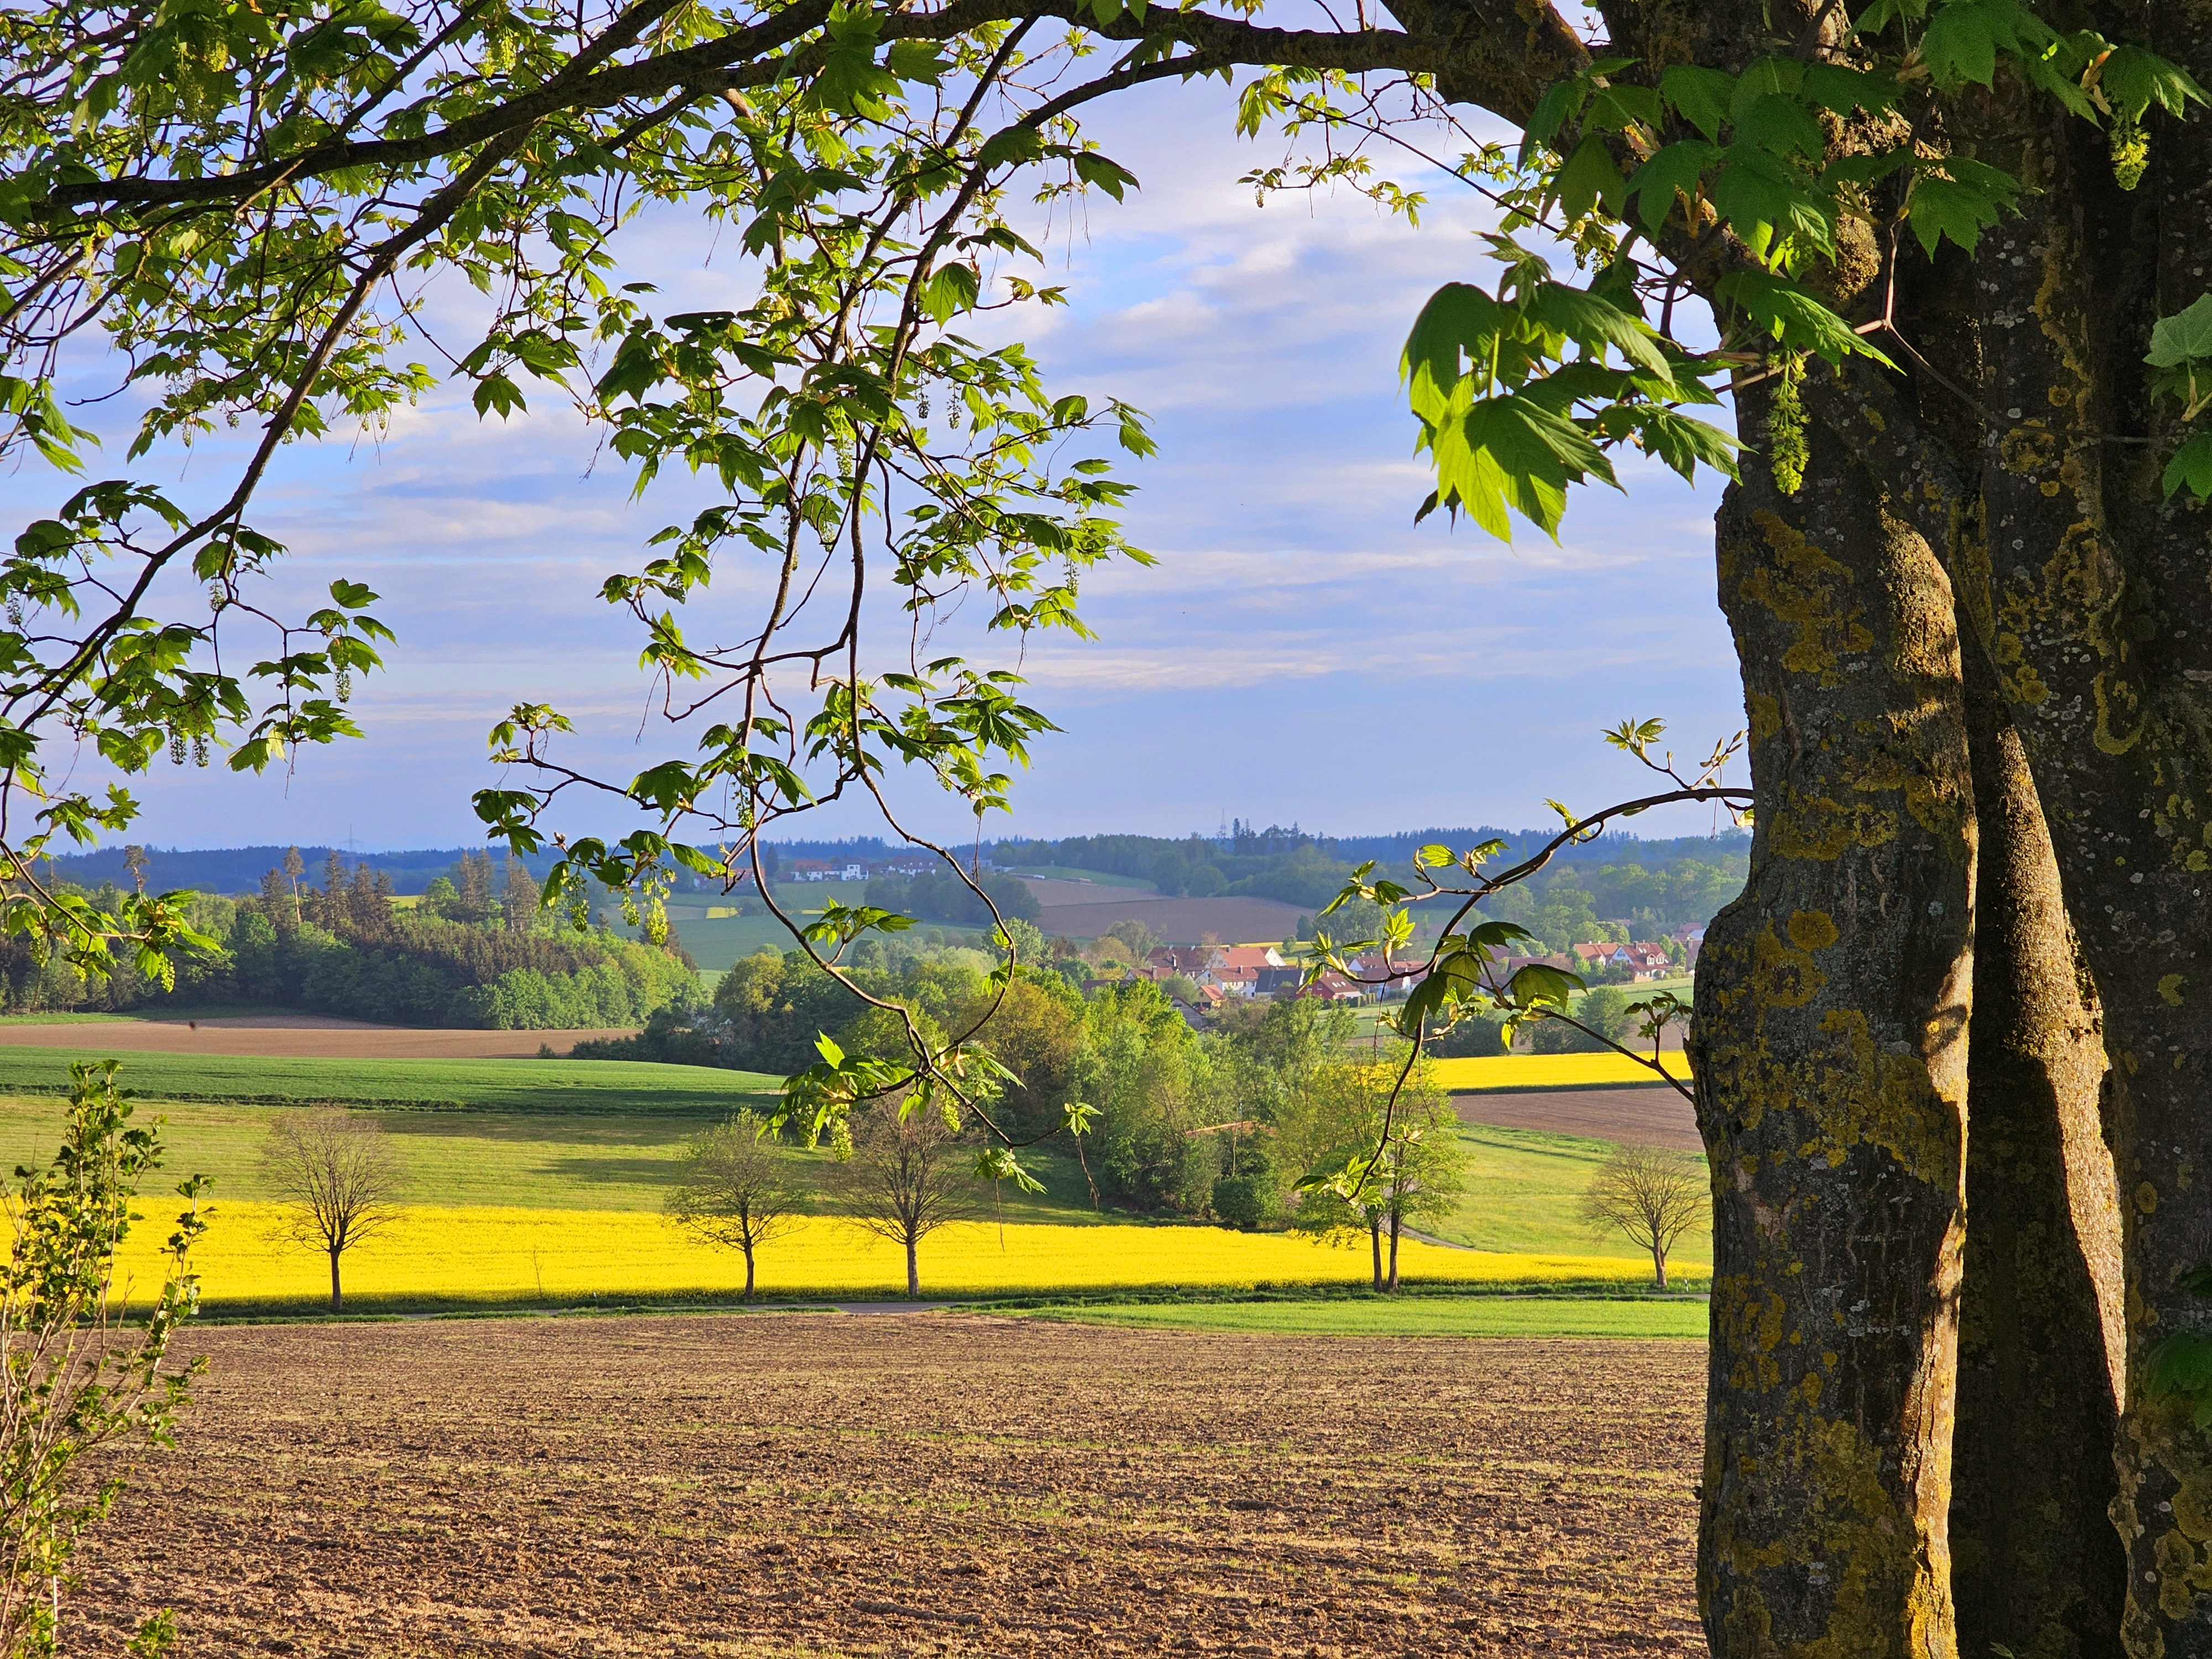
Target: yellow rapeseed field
(569, 1256)
(1547, 1071)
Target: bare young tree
(338, 1174)
(82, 1385)
(735, 1191)
(1652, 1195)
(904, 1180)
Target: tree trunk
(2036, 1565)
(749, 1273)
(1374, 1243)
(912, 1272)
(1659, 1267)
(336, 1300)
(1395, 1221)
(2090, 590)
(1830, 1013)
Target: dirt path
(824, 1484)
(1650, 1115)
(298, 1035)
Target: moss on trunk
(1831, 1008)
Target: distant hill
(1255, 856)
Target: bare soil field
(911, 1484)
(1080, 909)
(1648, 1115)
(300, 1035)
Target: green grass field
(535, 1161)
(717, 944)
(1525, 1194)
(1412, 1315)
(627, 1087)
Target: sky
(1301, 651)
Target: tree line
(477, 953)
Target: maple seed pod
(176, 748)
(345, 683)
(199, 749)
(15, 609)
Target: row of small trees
(905, 1179)
(901, 1184)
(339, 1185)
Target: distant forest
(474, 951)
(1295, 866)
(1642, 887)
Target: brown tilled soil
(303, 1036)
(1078, 910)
(1646, 1115)
(911, 1484)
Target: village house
(1384, 978)
(1237, 967)
(1234, 969)
(1333, 986)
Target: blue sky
(1301, 651)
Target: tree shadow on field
(612, 1171)
(558, 1129)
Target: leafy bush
(1245, 1200)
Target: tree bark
(1659, 1267)
(1394, 1220)
(749, 1273)
(2037, 1567)
(1375, 1245)
(1831, 1010)
(913, 1273)
(336, 1301)
(2089, 587)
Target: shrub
(1245, 1200)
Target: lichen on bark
(1832, 1006)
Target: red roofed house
(1333, 986)
(1236, 967)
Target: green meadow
(629, 1087)
(1524, 1194)
(540, 1160)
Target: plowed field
(912, 1484)
(1080, 910)
(1651, 1116)
(312, 1035)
